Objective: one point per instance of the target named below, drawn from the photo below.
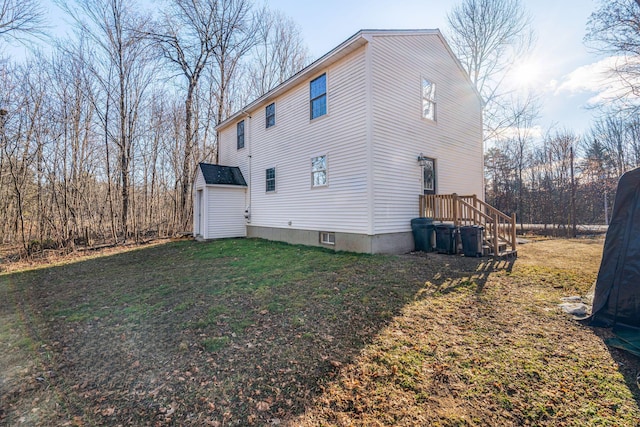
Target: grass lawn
(249, 332)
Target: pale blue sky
(559, 24)
(565, 66)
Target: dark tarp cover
(616, 299)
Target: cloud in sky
(598, 79)
(534, 132)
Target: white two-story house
(331, 156)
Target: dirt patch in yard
(247, 332)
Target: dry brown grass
(257, 333)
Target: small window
(327, 238)
(428, 99)
(271, 179)
(240, 133)
(319, 171)
(318, 89)
(270, 114)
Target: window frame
(318, 97)
(269, 180)
(429, 99)
(240, 136)
(270, 115)
(330, 238)
(433, 180)
(324, 171)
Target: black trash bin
(422, 229)
(446, 238)
(472, 237)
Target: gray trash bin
(422, 229)
(472, 237)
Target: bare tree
(523, 112)
(93, 146)
(614, 28)
(489, 36)
(20, 18)
(278, 54)
(121, 65)
(192, 34)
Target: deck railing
(500, 229)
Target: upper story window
(240, 134)
(318, 91)
(319, 171)
(271, 179)
(428, 99)
(270, 114)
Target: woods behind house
(101, 130)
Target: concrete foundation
(390, 243)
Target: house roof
(343, 49)
(222, 175)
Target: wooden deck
(499, 229)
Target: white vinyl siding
(221, 213)
(341, 206)
(372, 137)
(199, 180)
(455, 140)
(225, 212)
(230, 156)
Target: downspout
(248, 142)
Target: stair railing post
(514, 240)
(476, 218)
(496, 244)
(455, 209)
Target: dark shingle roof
(222, 175)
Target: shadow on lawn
(628, 364)
(471, 272)
(234, 332)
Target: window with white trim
(271, 180)
(270, 115)
(327, 238)
(428, 99)
(318, 96)
(240, 134)
(318, 171)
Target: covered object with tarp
(616, 300)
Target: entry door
(429, 176)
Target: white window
(318, 171)
(318, 96)
(240, 134)
(271, 180)
(327, 238)
(270, 115)
(428, 99)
